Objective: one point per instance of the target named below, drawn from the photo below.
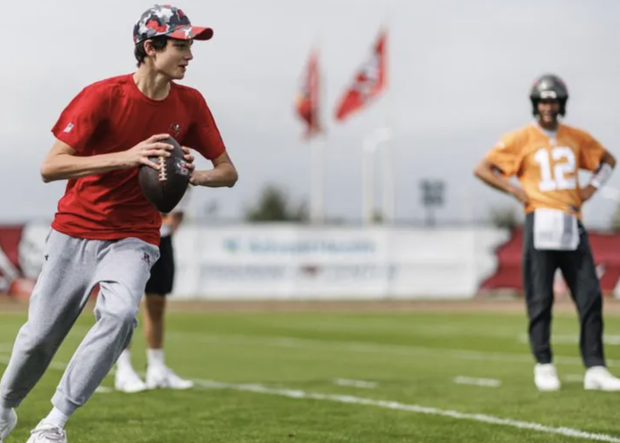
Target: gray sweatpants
(72, 268)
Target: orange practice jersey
(548, 167)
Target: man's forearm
(223, 175)
(66, 166)
(493, 179)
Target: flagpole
(310, 111)
(317, 148)
(373, 143)
(316, 178)
(368, 180)
(388, 173)
(369, 82)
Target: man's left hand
(189, 159)
(587, 192)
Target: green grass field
(342, 377)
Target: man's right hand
(151, 147)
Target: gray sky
(460, 75)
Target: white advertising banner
(289, 262)
(298, 262)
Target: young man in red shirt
(105, 232)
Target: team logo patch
(175, 128)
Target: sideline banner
(288, 262)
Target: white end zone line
(483, 418)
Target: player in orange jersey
(546, 157)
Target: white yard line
(363, 347)
(485, 382)
(355, 383)
(4, 359)
(373, 348)
(571, 339)
(260, 389)
(104, 390)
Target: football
(164, 188)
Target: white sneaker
(7, 426)
(163, 377)
(599, 378)
(546, 377)
(47, 433)
(128, 381)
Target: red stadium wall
(605, 248)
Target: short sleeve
(591, 152)
(203, 134)
(506, 155)
(79, 120)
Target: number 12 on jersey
(557, 169)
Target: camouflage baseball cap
(168, 20)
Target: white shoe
(47, 433)
(128, 381)
(163, 377)
(7, 426)
(599, 378)
(546, 377)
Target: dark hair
(159, 43)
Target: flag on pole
(307, 103)
(369, 81)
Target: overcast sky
(460, 77)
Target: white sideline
(260, 389)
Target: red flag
(369, 82)
(307, 100)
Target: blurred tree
(274, 205)
(505, 217)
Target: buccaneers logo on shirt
(175, 129)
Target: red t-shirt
(113, 116)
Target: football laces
(163, 175)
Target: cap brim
(192, 33)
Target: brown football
(166, 187)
